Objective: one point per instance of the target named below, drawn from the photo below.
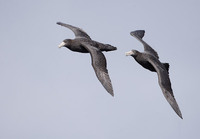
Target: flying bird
(84, 44)
(149, 59)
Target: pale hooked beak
(129, 53)
(62, 44)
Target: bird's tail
(107, 47)
(110, 47)
(166, 66)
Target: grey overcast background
(52, 93)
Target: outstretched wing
(79, 33)
(165, 84)
(139, 34)
(100, 67)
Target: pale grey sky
(47, 92)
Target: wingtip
(110, 91)
(177, 109)
(172, 101)
(138, 33)
(179, 114)
(59, 23)
(112, 94)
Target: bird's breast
(76, 46)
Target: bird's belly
(147, 65)
(78, 48)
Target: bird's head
(132, 53)
(65, 43)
